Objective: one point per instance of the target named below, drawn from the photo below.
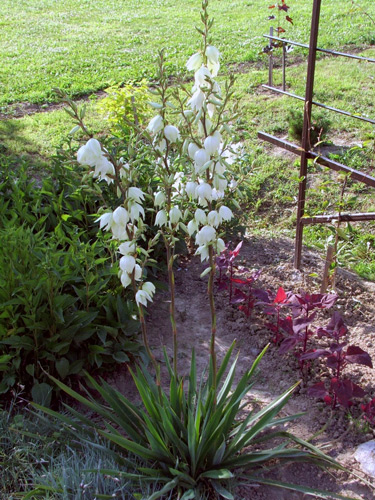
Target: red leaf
(317, 391)
(280, 30)
(280, 296)
(289, 19)
(272, 6)
(271, 17)
(356, 355)
(236, 251)
(284, 7)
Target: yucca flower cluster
(126, 222)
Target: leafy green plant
(62, 310)
(192, 439)
(319, 126)
(124, 104)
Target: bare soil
(340, 432)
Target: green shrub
(62, 307)
(320, 124)
(125, 104)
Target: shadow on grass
(15, 145)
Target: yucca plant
(192, 440)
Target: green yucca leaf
(222, 491)
(166, 489)
(224, 363)
(217, 474)
(302, 489)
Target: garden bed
(340, 432)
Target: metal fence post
(270, 60)
(306, 130)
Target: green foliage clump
(319, 126)
(125, 104)
(62, 308)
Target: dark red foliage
(369, 411)
(335, 329)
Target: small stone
(365, 455)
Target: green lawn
(82, 46)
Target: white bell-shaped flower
(192, 227)
(156, 124)
(127, 247)
(119, 232)
(213, 218)
(190, 189)
(220, 183)
(160, 199)
(142, 297)
(225, 213)
(204, 191)
(149, 288)
(121, 216)
(202, 77)
(160, 146)
(127, 263)
(201, 157)
(125, 279)
(217, 195)
(200, 216)
(105, 221)
(197, 100)
(161, 218)
(90, 154)
(137, 272)
(192, 149)
(194, 62)
(136, 194)
(220, 246)
(205, 236)
(175, 215)
(136, 211)
(213, 59)
(203, 251)
(212, 143)
(171, 133)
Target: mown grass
(84, 46)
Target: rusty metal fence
(304, 150)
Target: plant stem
(213, 313)
(172, 305)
